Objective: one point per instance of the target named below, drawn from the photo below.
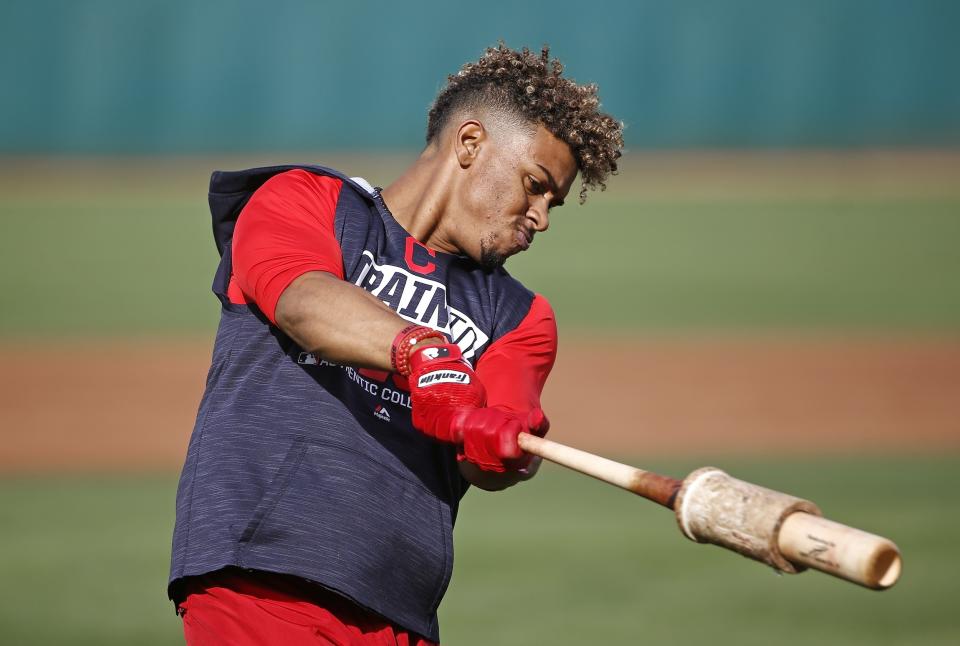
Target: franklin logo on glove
(443, 377)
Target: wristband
(403, 343)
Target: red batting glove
(443, 386)
(490, 437)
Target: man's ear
(470, 137)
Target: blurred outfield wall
(180, 76)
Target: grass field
(562, 560)
(139, 258)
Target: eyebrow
(553, 184)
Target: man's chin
(491, 259)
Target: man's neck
(420, 200)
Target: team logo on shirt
(420, 300)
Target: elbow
(290, 314)
(296, 312)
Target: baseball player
(373, 360)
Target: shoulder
(293, 178)
(538, 323)
(541, 311)
(301, 182)
(283, 188)
(515, 304)
(313, 189)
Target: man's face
(517, 179)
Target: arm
(287, 260)
(514, 370)
(338, 321)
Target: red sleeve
(284, 231)
(515, 367)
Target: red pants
(238, 608)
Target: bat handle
(652, 486)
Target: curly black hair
(532, 87)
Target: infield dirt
(129, 405)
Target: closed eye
(536, 187)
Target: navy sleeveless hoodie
(302, 467)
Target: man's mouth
(524, 238)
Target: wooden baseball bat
(785, 532)
(652, 486)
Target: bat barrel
(845, 552)
(780, 530)
(713, 507)
(775, 528)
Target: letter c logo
(413, 243)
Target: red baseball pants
(243, 608)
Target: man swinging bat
(374, 359)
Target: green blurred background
(791, 173)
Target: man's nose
(539, 212)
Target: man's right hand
(490, 437)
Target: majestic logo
(443, 377)
(381, 413)
(420, 300)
